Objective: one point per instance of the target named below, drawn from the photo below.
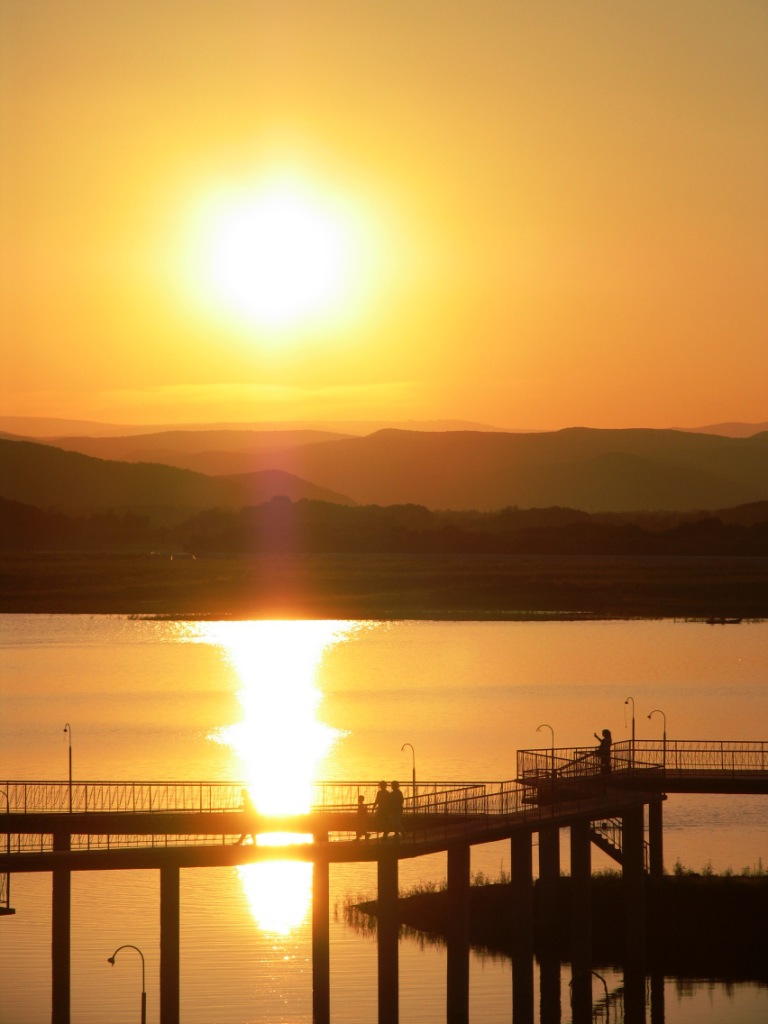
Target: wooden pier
(166, 826)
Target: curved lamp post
(111, 960)
(658, 711)
(68, 729)
(632, 748)
(552, 748)
(413, 767)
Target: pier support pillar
(549, 881)
(633, 870)
(522, 890)
(550, 1008)
(169, 945)
(581, 921)
(634, 992)
(60, 935)
(388, 929)
(657, 997)
(321, 939)
(522, 947)
(656, 839)
(457, 980)
(523, 1000)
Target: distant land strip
(387, 586)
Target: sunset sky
(529, 213)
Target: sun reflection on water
(279, 743)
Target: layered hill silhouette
(49, 478)
(590, 470)
(213, 452)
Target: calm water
(279, 703)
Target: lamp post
(632, 748)
(658, 711)
(111, 960)
(413, 767)
(552, 748)
(68, 729)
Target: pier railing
(722, 757)
(200, 797)
(551, 783)
(432, 811)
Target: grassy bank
(696, 924)
(386, 586)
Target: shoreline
(387, 587)
(694, 922)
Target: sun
(279, 255)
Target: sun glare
(279, 743)
(280, 255)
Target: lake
(278, 704)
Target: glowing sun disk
(279, 256)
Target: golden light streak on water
(279, 742)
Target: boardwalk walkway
(61, 827)
(553, 787)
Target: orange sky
(543, 214)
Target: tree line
(285, 526)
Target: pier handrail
(94, 797)
(439, 811)
(731, 757)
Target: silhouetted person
(604, 750)
(396, 809)
(248, 809)
(382, 807)
(362, 819)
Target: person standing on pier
(396, 804)
(604, 750)
(383, 810)
(362, 819)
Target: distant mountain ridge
(731, 429)
(50, 428)
(50, 478)
(591, 470)
(39, 427)
(580, 468)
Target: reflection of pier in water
(170, 826)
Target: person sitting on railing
(604, 750)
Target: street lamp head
(111, 960)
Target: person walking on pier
(396, 805)
(383, 810)
(249, 810)
(604, 750)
